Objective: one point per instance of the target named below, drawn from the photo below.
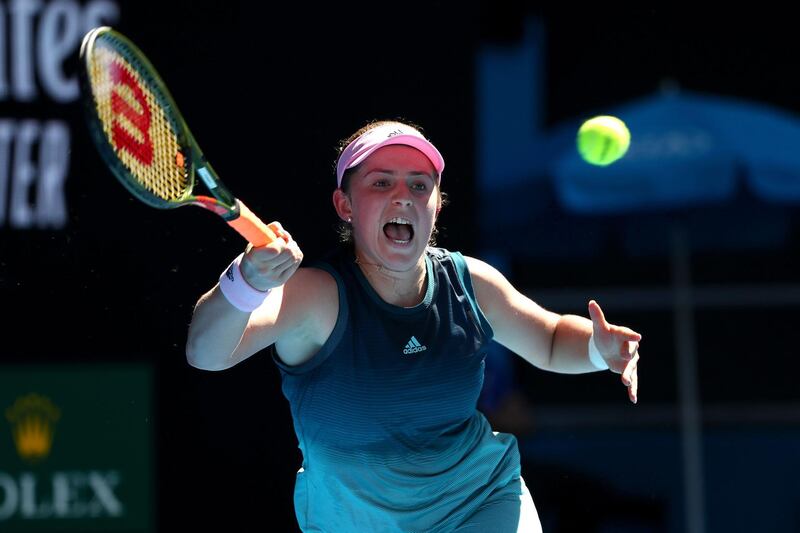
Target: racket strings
(136, 124)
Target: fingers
(596, 314)
(630, 368)
(633, 388)
(611, 339)
(602, 328)
(269, 253)
(273, 264)
(626, 333)
(279, 231)
(294, 256)
(628, 350)
(619, 339)
(630, 377)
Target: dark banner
(76, 452)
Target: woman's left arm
(547, 340)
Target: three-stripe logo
(413, 346)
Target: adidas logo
(414, 346)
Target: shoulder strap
(464, 277)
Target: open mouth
(399, 230)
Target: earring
(349, 220)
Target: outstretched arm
(548, 340)
(221, 335)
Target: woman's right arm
(220, 335)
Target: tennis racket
(143, 138)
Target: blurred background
(692, 240)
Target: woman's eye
(381, 183)
(420, 187)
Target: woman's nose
(402, 196)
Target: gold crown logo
(33, 418)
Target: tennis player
(381, 350)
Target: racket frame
(222, 202)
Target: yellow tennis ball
(603, 139)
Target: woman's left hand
(619, 346)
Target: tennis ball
(603, 139)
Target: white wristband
(595, 357)
(237, 291)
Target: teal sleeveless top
(386, 412)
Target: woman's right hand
(269, 266)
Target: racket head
(135, 122)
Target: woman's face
(393, 204)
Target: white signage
(37, 40)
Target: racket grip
(250, 227)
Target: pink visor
(394, 133)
